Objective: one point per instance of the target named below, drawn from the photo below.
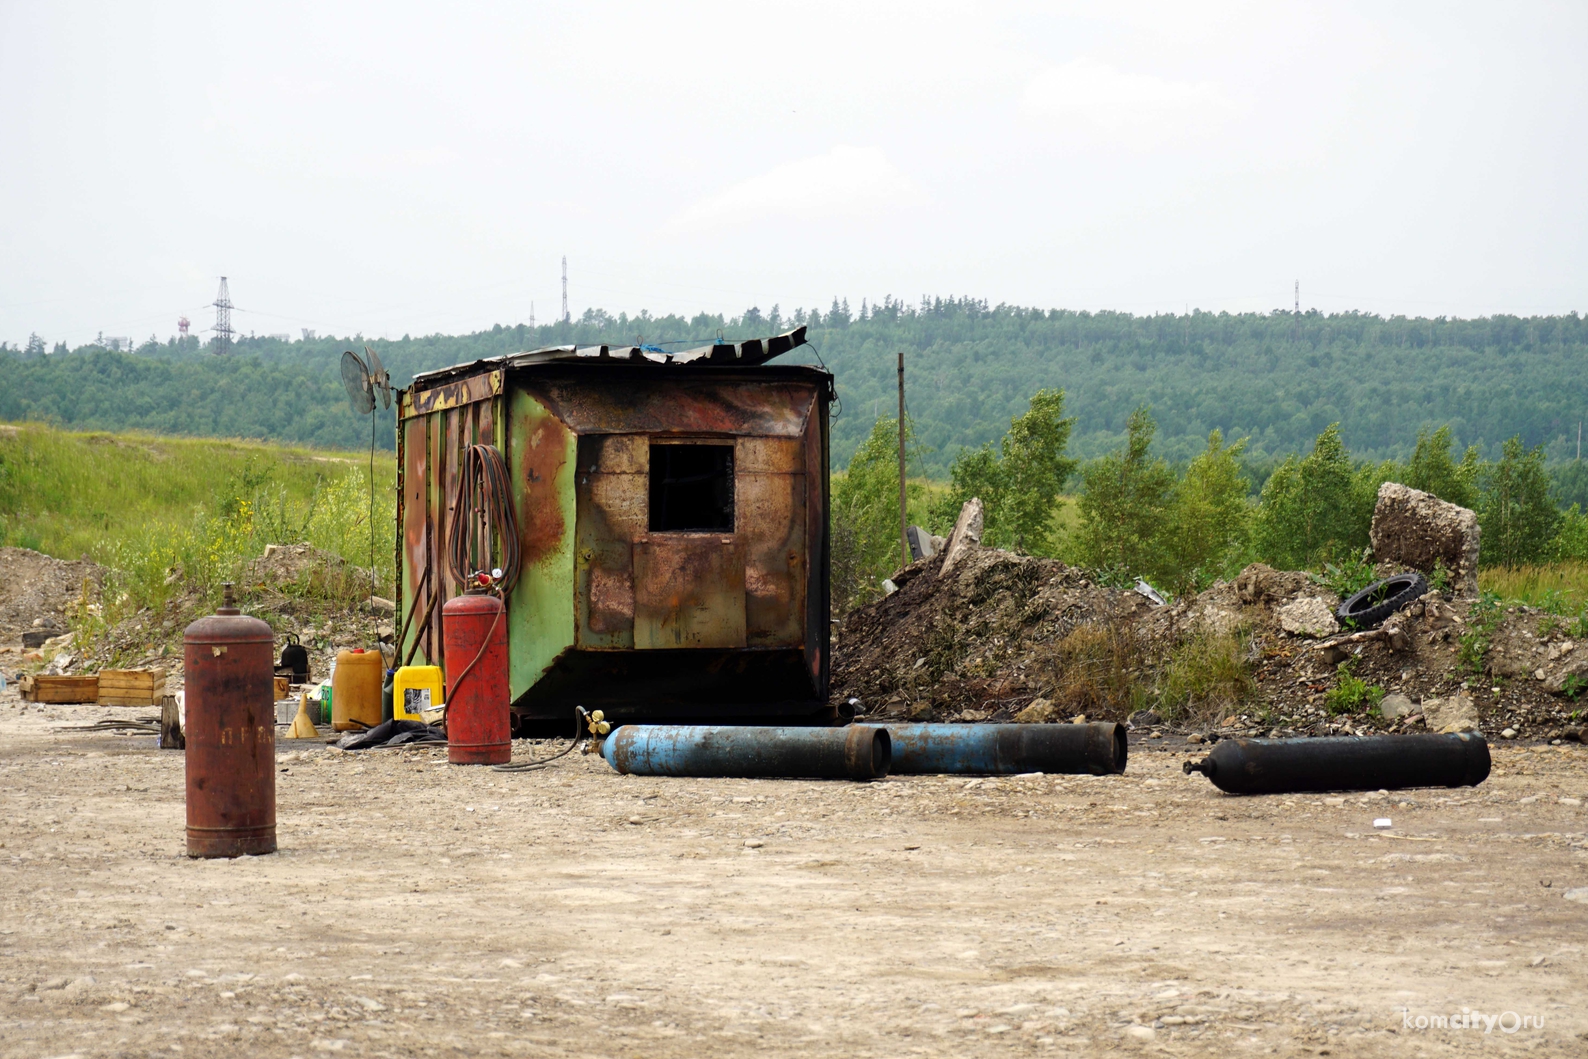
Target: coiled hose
(484, 527)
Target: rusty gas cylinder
(479, 716)
(231, 734)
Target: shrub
(1210, 519)
(865, 516)
(1433, 471)
(1473, 647)
(1317, 506)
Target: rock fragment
(1418, 530)
(1308, 616)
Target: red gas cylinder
(231, 734)
(474, 633)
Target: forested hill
(1274, 378)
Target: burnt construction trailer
(672, 519)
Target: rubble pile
(996, 638)
(37, 592)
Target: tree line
(1276, 380)
(1133, 514)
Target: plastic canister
(415, 689)
(355, 690)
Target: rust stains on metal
(688, 591)
(770, 519)
(540, 443)
(231, 735)
(748, 353)
(699, 404)
(481, 387)
(610, 489)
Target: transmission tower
(532, 315)
(223, 319)
(565, 289)
(1295, 329)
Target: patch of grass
(170, 516)
(1561, 588)
(1206, 675)
(1351, 694)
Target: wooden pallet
(131, 687)
(41, 687)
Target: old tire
(1372, 606)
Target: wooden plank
(131, 678)
(131, 687)
(59, 689)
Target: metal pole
(904, 515)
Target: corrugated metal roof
(748, 353)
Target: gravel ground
(421, 909)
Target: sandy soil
(421, 909)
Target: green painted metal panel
(542, 460)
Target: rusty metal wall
(437, 426)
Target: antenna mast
(565, 288)
(223, 319)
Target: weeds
(1205, 675)
(1095, 669)
(1346, 577)
(1439, 577)
(1574, 627)
(1481, 623)
(1351, 694)
(150, 511)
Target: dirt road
(420, 909)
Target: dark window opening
(692, 488)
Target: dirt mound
(36, 591)
(964, 646)
(1003, 630)
(291, 562)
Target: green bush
(1433, 471)
(865, 516)
(1206, 675)
(1209, 526)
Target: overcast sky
(420, 167)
